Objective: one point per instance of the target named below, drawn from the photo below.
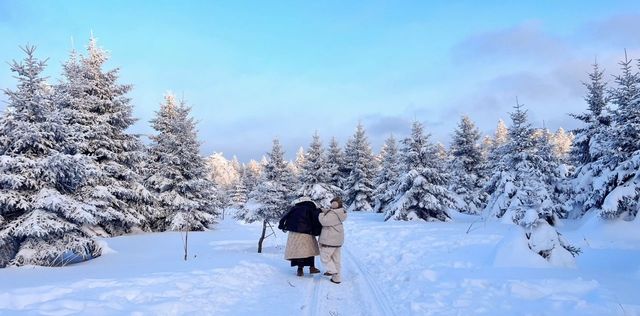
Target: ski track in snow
(358, 294)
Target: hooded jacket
(332, 229)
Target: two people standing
(304, 222)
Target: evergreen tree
(562, 143)
(627, 114)
(238, 195)
(468, 167)
(314, 177)
(359, 160)
(336, 165)
(421, 191)
(608, 182)
(186, 199)
(501, 135)
(589, 138)
(237, 167)
(97, 107)
(485, 148)
(621, 187)
(298, 163)
(271, 197)
(251, 175)
(221, 171)
(496, 152)
(41, 216)
(388, 175)
(523, 193)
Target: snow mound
(513, 251)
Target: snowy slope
(390, 268)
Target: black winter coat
(302, 218)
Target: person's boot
(300, 272)
(328, 273)
(313, 270)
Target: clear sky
(255, 70)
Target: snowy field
(392, 268)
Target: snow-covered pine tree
(468, 168)
(221, 171)
(562, 144)
(553, 169)
(336, 165)
(501, 135)
(442, 153)
(97, 107)
(271, 197)
(41, 217)
(237, 166)
(237, 192)
(495, 153)
(388, 175)
(177, 174)
(622, 185)
(224, 176)
(422, 191)
(592, 142)
(251, 174)
(238, 195)
(523, 194)
(607, 182)
(315, 177)
(596, 121)
(298, 163)
(359, 160)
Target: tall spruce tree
(596, 121)
(336, 165)
(315, 177)
(251, 175)
(468, 168)
(98, 107)
(359, 160)
(523, 193)
(177, 174)
(607, 182)
(41, 216)
(272, 196)
(622, 185)
(388, 175)
(422, 190)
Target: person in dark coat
(301, 221)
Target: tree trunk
(186, 245)
(264, 231)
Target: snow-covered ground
(392, 268)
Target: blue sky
(255, 70)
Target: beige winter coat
(332, 229)
(301, 246)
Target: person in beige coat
(301, 221)
(332, 238)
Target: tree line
(71, 171)
(522, 174)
